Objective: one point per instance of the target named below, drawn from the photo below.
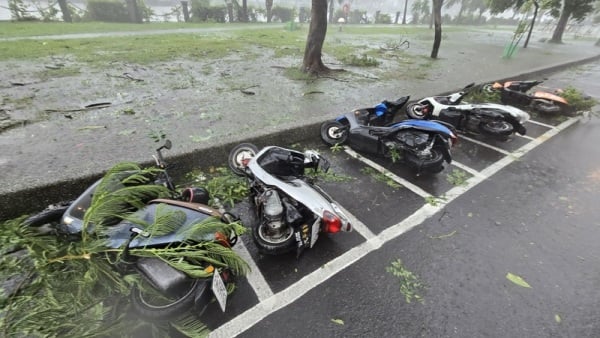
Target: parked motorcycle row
(291, 210)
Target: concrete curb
(36, 198)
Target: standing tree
(576, 9)
(404, 15)
(437, 20)
(312, 62)
(269, 6)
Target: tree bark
(269, 6)
(317, 30)
(560, 27)
(244, 11)
(331, 11)
(64, 8)
(437, 21)
(405, 9)
(535, 12)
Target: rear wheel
(273, 242)
(415, 111)
(333, 132)
(500, 130)
(239, 157)
(432, 163)
(546, 107)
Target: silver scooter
(291, 210)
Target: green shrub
(577, 100)
(107, 11)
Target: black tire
(333, 133)
(413, 111)
(270, 245)
(546, 107)
(431, 165)
(149, 306)
(238, 155)
(500, 130)
(489, 88)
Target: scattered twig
(313, 92)
(126, 76)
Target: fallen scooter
(132, 210)
(490, 119)
(292, 211)
(518, 93)
(422, 145)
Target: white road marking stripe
(357, 225)
(542, 124)
(502, 151)
(466, 168)
(525, 137)
(255, 277)
(285, 297)
(387, 173)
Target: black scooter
(180, 292)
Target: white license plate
(219, 289)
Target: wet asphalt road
(536, 217)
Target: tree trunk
(535, 12)
(269, 5)
(244, 11)
(330, 11)
(64, 8)
(560, 27)
(312, 62)
(597, 43)
(230, 11)
(405, 9)
(437, 20)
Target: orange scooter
(518, 93)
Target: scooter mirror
(168, 144)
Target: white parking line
(255, 278)
(466, 168)
(357, 225)
(387, 173)
(526, 137)
(542, 124)
(285, 297)
(502, 151)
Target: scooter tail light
(453, 140)
(331, 222)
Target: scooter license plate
(219, 289)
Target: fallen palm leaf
(517, 280)
(338, 321)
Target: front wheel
(333, 132)
(545, 107)
(416, 111)
(239, 157)
(432, 163)
(500, 130)
(151, 304)
(273, 242)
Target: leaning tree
(312, 62)
(437, 21)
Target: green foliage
(203, 12)
(224, 188)
(71, 288)
(482, 96)
(360, 61)
(107, 10)
(381, 177)
(410, 285)
(282, 14)
(577, 100)
(457, 177)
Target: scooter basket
(161, 275)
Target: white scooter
(291, 210)
(495, 120)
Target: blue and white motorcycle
(421, 145)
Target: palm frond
(190, 326)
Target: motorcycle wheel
(153, 305)
(500, 130)
(239, 155)
(270, 245)
(333, 132)
(488, 88)
(546, 107)
(433, 164)
(414, 113)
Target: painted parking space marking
(483, 144)
(279, 300)
(386, 172)
(466, 168)
(542, 124)
(357, 225)
(254, 276)
(526, 137)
